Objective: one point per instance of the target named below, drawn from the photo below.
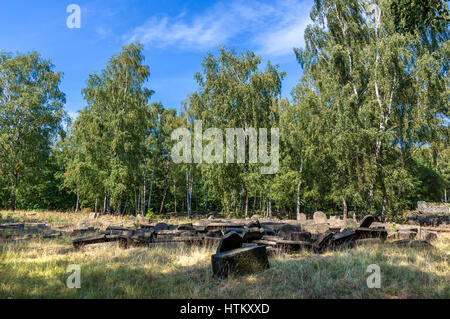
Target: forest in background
(366, 129)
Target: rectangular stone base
(240, 261)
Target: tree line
(366, 129)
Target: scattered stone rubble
(242, 245)
(430, 214)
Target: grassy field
(37, 269)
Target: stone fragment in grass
(367, 221)
(162, 226)
(94, 240)
(185, 227)
(291, 245)
(240, 261)
(371, 233)
(343, 237)
(230, 241)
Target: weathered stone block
(291, 245)
(322, 241)
(230, 241)
(320, 217)
(371, 233)
(367, 221)
(240, 261)
(185, 227)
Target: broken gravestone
(320, 217)
(230, 241)
(301, 218)
(249, 259)
(323, 241)
(367, 221)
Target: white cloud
(272, 28)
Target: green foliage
(366, 129)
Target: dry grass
(37, 269)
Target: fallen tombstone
(185, 227)
(371, 233)
(189, 233)
(222, 226)
(240, 261)
(81, 231)
(291, 245)
(230, 241)
(255, 224)
(366, 221)
(240, 230)
(323, 241)
(20, 226)
(161, 226)
(342, 238)
(52, 235)
(94, 240)
(265, 242)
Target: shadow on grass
(141, 273)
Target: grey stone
(371, 233)
(320, 217)
(367, 221)
(161, 226)
(230, 241)
(185, 227)
(240, 261)
(322, 241)
(302, 218)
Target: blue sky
(176, 36)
